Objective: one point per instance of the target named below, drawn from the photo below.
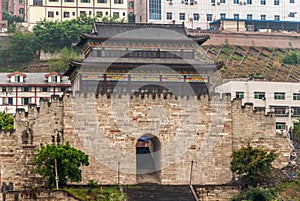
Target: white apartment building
(200, 13)
(60, 10)
(19, 90)
(283, 98)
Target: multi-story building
(18, 90)
(17, 7)
(199, 14)
(60, 10)
(283, 98)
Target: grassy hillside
(258, 62)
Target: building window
(99, 14)
(292, 14)
(62, 89)
(181, 16)
(292, 1)
(213, 1)
(82, 13)
(25, 101)
(280, 125)
(104, 1)
(196, 16)
(259, 95)
(116, 15)
(249, 16)
(3, 89)
(17, 78)
(222, 1)
(276, 17)
(53, 0)
(21, 1)
(118, 1)
(73, 13)
(236, 2)
(50, 14)
(223, 15)
(262, 2)
(44, 89)
(295, 111)
(26, 89)
(209, 17)
(296, 96)
(69, 0)
(131, 4)
(10, 101)
(249, 2)
(66, 14)
(279, 96)
(276, 2)
(280, 111)
(57, 13)
(239, 94)
(169, 16)
(236, 16)
(263, 17)
(106, 13)
(85, 1)
(155, 9)
(21, 11)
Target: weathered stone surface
(195, 138)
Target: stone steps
(156, 192)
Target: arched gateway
(148, 159)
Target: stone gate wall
(197, 136)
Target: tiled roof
(16, 73)
(32, 79)
(138, 30)
(53, 73)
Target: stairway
(156, 192)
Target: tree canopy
(68, 161)
(20, 50)
(6, 121)
(252, 163)
(54, 35)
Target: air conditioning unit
(191, 19)
(171, 3)
(241, 3)
(195, 2)
(218, 3)
(245, 3)
(182, 1)
(192, 3)
(213, 4)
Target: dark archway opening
(148, 159)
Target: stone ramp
(156, 192)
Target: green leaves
(68, 159)
(6, 121)
(253, 163)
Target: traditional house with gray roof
(18, 90)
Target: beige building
(60, 10)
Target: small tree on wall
(252, 164)
(67, 160)
(6, 121)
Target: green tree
(68, 160)
(252, 164)
(296, 130)
(54, 35)
(61, 62)
(291, 58)
(19, 51)
(11, 20)
(6, 121)
(257, 194)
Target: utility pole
(55, 161)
